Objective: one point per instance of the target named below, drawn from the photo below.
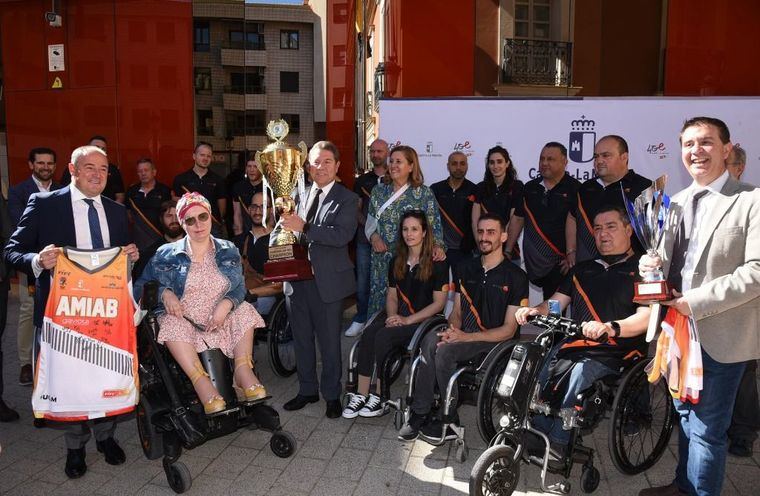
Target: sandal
(254, 391)
(216, 403)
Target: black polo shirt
(502, 200)
(148, 204)
(211, 186)
(544, 243)
(604, 293)
(455, 206)
(413, 294)
(591, 196)
(255, 252)
(485, 295)
(363, 187)
(114, 183)
(243, 191)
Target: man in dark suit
(42, 164)
(327, 222)
(63, 218)
(7, 414)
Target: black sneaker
(355, 403)
(433, 432)
(373, 407)
(411, 428)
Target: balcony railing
(245, 90)
(537, 62)
(245, 45)
(379, 85)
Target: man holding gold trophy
(710, 255)
(309, 250)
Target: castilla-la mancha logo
(582, 140)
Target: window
(205, 123)
(288, 82)
(340, 13)
(533, 19)
(202, 38)
(289, 39)
(294, 122)
(250, 83)
(250, 122)
(202, 80)
(248, 37)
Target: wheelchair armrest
(496, 353)
(425, 326)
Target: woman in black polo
(417, 290)
(500, 193)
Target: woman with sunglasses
(402, 190)
(500, 193)
(417, 289)
(201, 293)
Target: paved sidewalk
(334, 457)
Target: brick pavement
(334, 457)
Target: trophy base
(287, 263)
(651, 292)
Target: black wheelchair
(642, 419)
(278, 337)
(467, 385)
(169, 415)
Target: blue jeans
(363, 257)
(703, 438)
(582, 376)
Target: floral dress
(419, 198)
(204, 287)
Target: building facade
(254, 63)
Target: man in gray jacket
(315, 305)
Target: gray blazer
(726, 280)
(328, 238)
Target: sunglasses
(203, 217)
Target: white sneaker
(354, 329)
(373, 407)
(355, 403)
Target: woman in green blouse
(402, 190)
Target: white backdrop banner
(437, 127)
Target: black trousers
(312, 321)
(4, 287)
(378, 341)
(745, 421)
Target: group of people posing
(416, 245)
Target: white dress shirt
(40, 186)
(82, 225)
(697, 239)
(313, 194)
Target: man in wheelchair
(489, 290)
(601, 294)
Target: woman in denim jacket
(201, 291)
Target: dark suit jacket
(18, 197)
(328, 238)
(49, 219)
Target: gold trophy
(281, 165)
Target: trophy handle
(304, 152)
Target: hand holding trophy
(281, 166)
(648, 215)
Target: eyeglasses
(202, 217)
(255, 206)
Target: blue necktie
(94, 221)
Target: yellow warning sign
(57, 83)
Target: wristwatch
(615, 328)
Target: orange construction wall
(712, 48)
(128, 76)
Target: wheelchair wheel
(150, 439)
(490, 407)
(282, 444)
(281, 352)
(495, 473)
(590, 479)
(178, 476)
(642, 421)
